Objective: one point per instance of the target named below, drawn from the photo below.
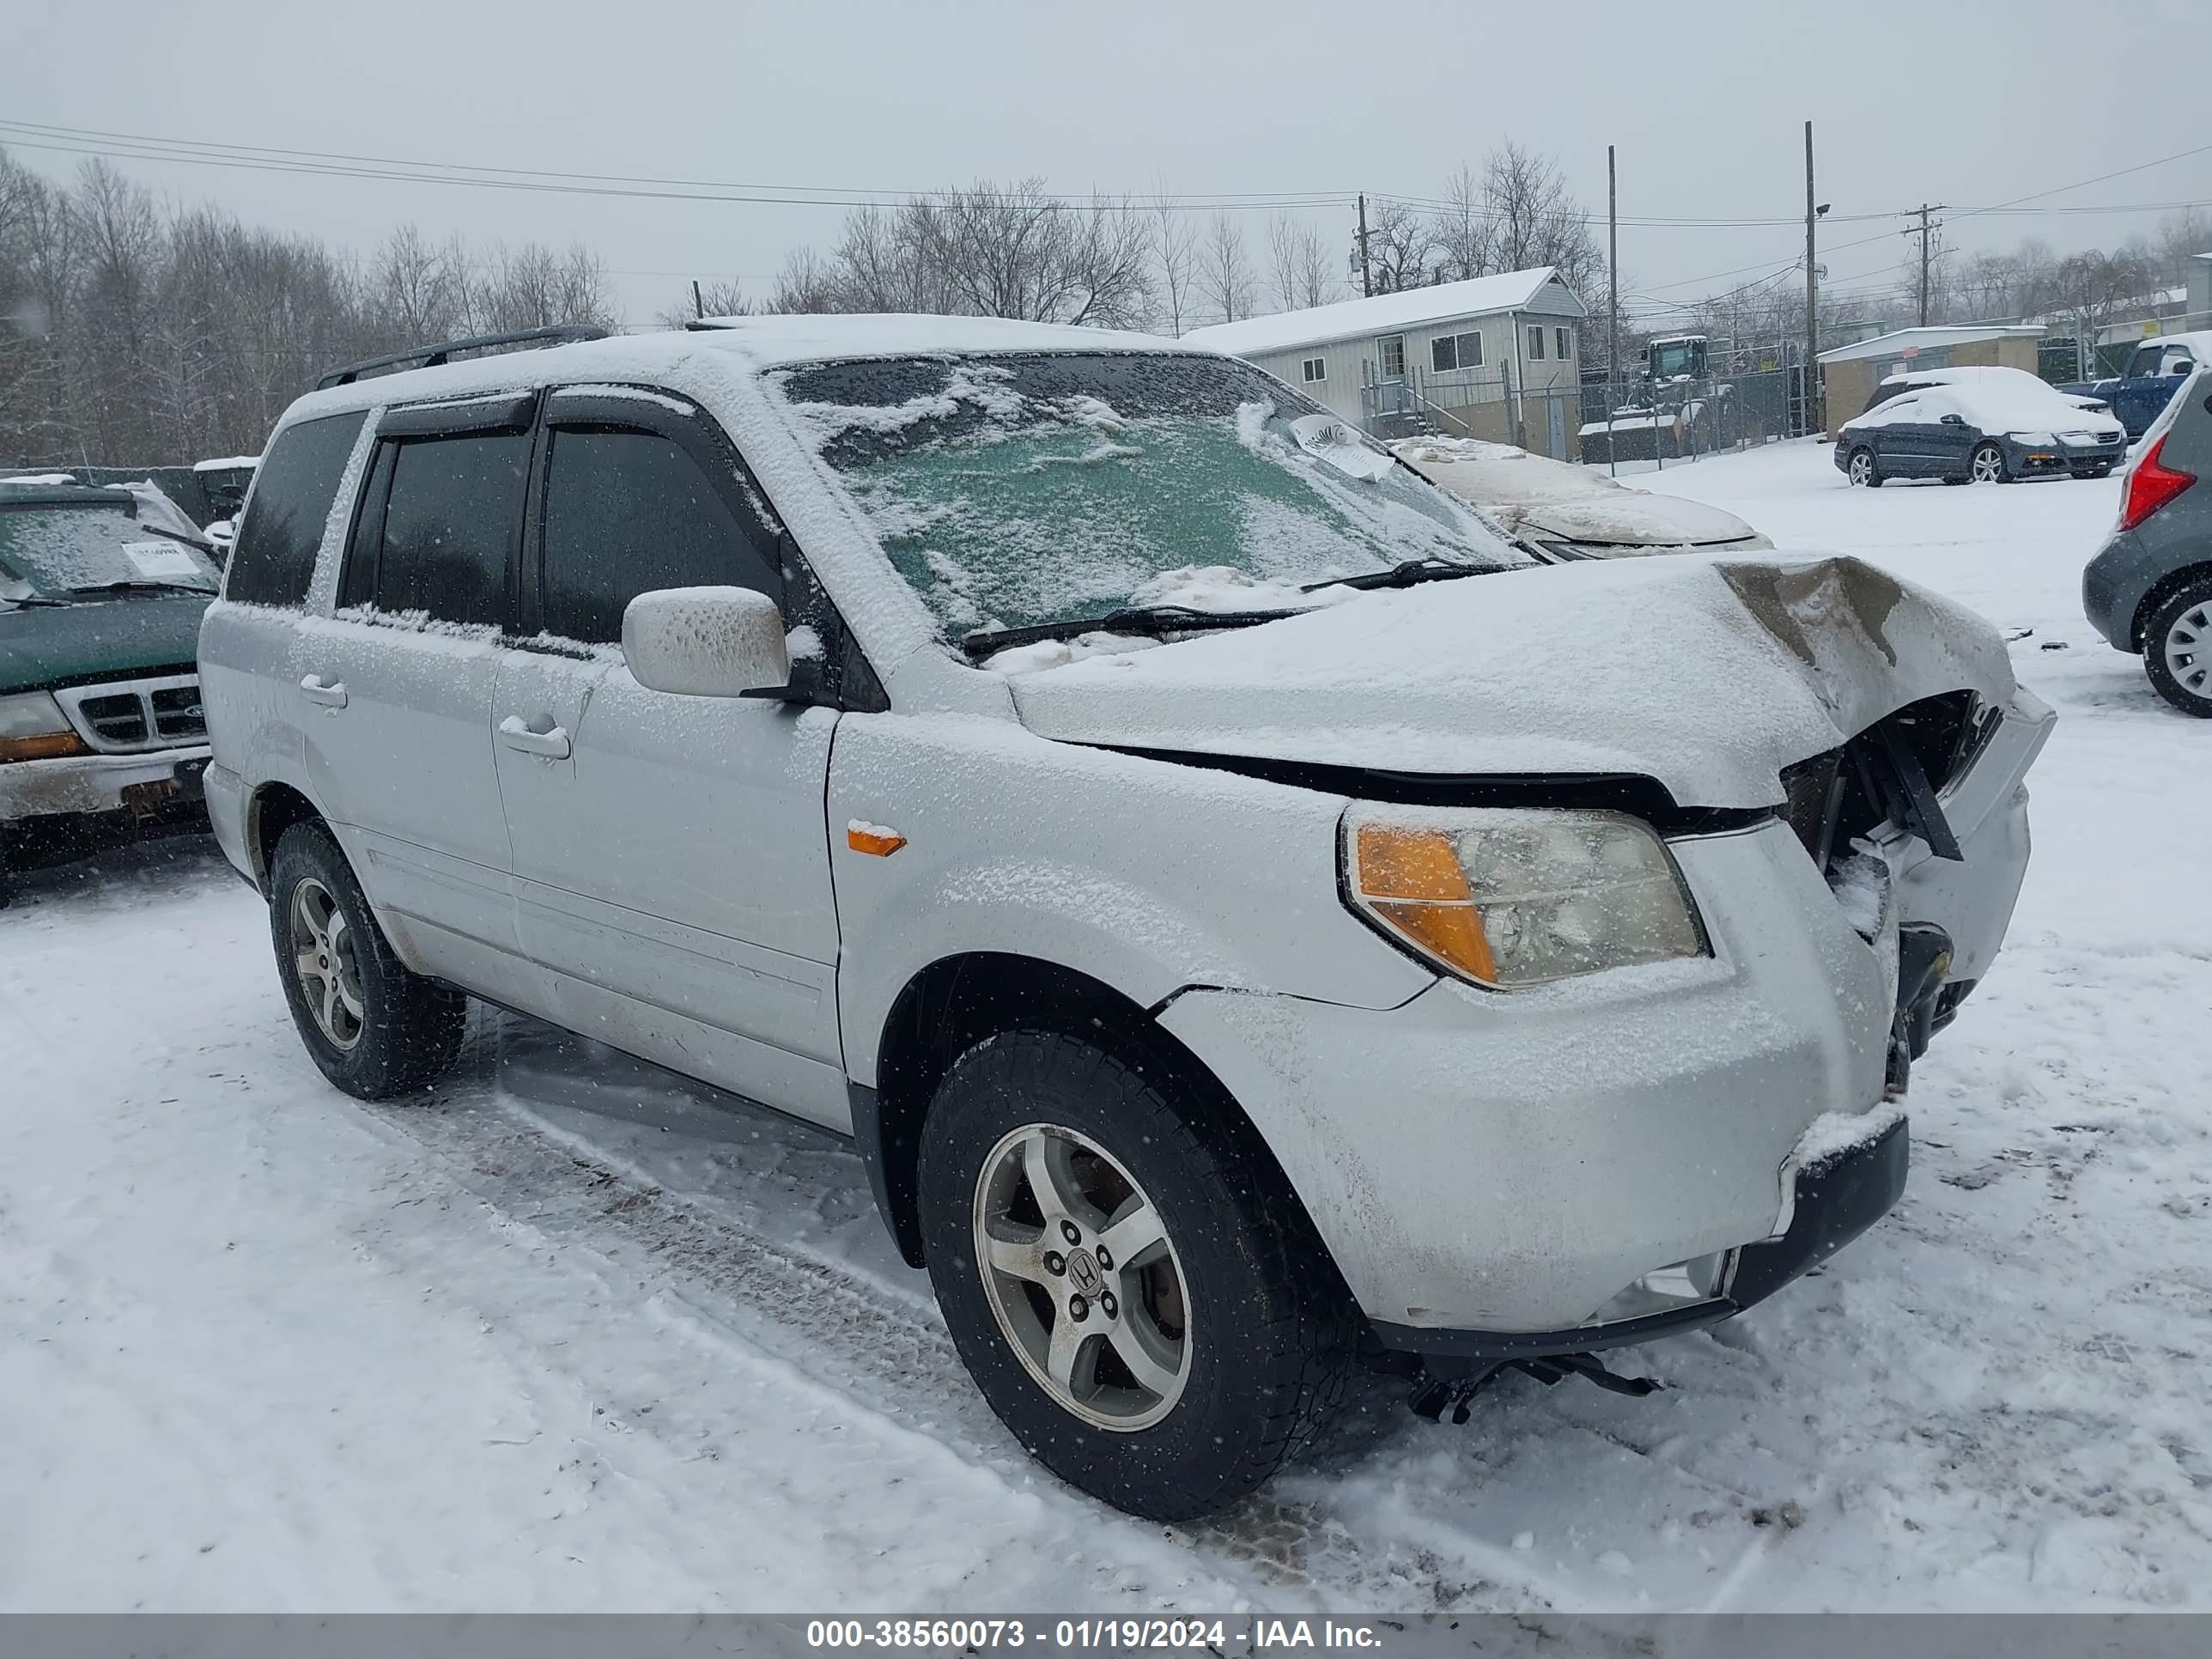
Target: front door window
(1393, 357)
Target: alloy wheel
(2187, 650)
(1988, 465)
(1861, 467)
(1083, 1278)
(326, 964)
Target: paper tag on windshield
(160, 561)
(1328, 438)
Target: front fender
(1145, 875)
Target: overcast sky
(1970, 105)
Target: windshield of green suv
(59, 552)
(1015, 491)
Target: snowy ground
(576, 1335)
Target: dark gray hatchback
(2150, 588)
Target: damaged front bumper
(1508, 1176)
(1832, 1201)
(90, 785)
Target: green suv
(101, 738)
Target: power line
(89, 141)
(1925, 231)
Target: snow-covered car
(1988, 431)
(1570, 511)
(101, 735)
(1979, 375)
(1246, 928)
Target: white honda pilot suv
(1254, 919)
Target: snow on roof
(2198, 340)
(746, 345)
(1893, 343)
(1382, 313)
(812, 338)
(754, 341)
(227, 464)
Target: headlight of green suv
(1510, 898)
(34, 728)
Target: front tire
(2178, 649)
(1176, 1376)
(373, 1027)
(1863, 469)
(1987, 465)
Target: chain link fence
(1748, 395)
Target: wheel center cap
(1083, 1272)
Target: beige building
(1850, 373)
(1496, 358)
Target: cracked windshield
(1018, 491)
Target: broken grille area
(1894, 769)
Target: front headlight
(2032, 440)
(34, 728)
(1512, 897)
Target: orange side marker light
(873, 839)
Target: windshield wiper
(1150, 620)
(146, 585)
(1410, 573)
(36, 601)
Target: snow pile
(1058, 654)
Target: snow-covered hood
(1634, 519)
(1534, 495)
(1709, 676)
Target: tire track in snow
(883, 1355)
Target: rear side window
(626, 513)
(453, 512)
(275, 558)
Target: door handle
(553, 743)
(331, 695)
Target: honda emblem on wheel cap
(1083, 1272)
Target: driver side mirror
(705, 642)
(1955, 420)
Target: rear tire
(1240, 1341)
(1863, 469)
(373, 1027)
(2178, 649)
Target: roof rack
(430, 356)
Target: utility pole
(1366, 283)
(1922, 231)
(1611, 305)
(698, 305)
(1812, 298)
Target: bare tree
(416, 290)
(1017, 251)
(1402, 247)
(1021, 252)
(807, 283)
(724, 296)
(1225, 274)
(1297, 264)
(1174, 258)
(2091, 288)
(1461, 230)
(533, 287)
(1530, 219)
